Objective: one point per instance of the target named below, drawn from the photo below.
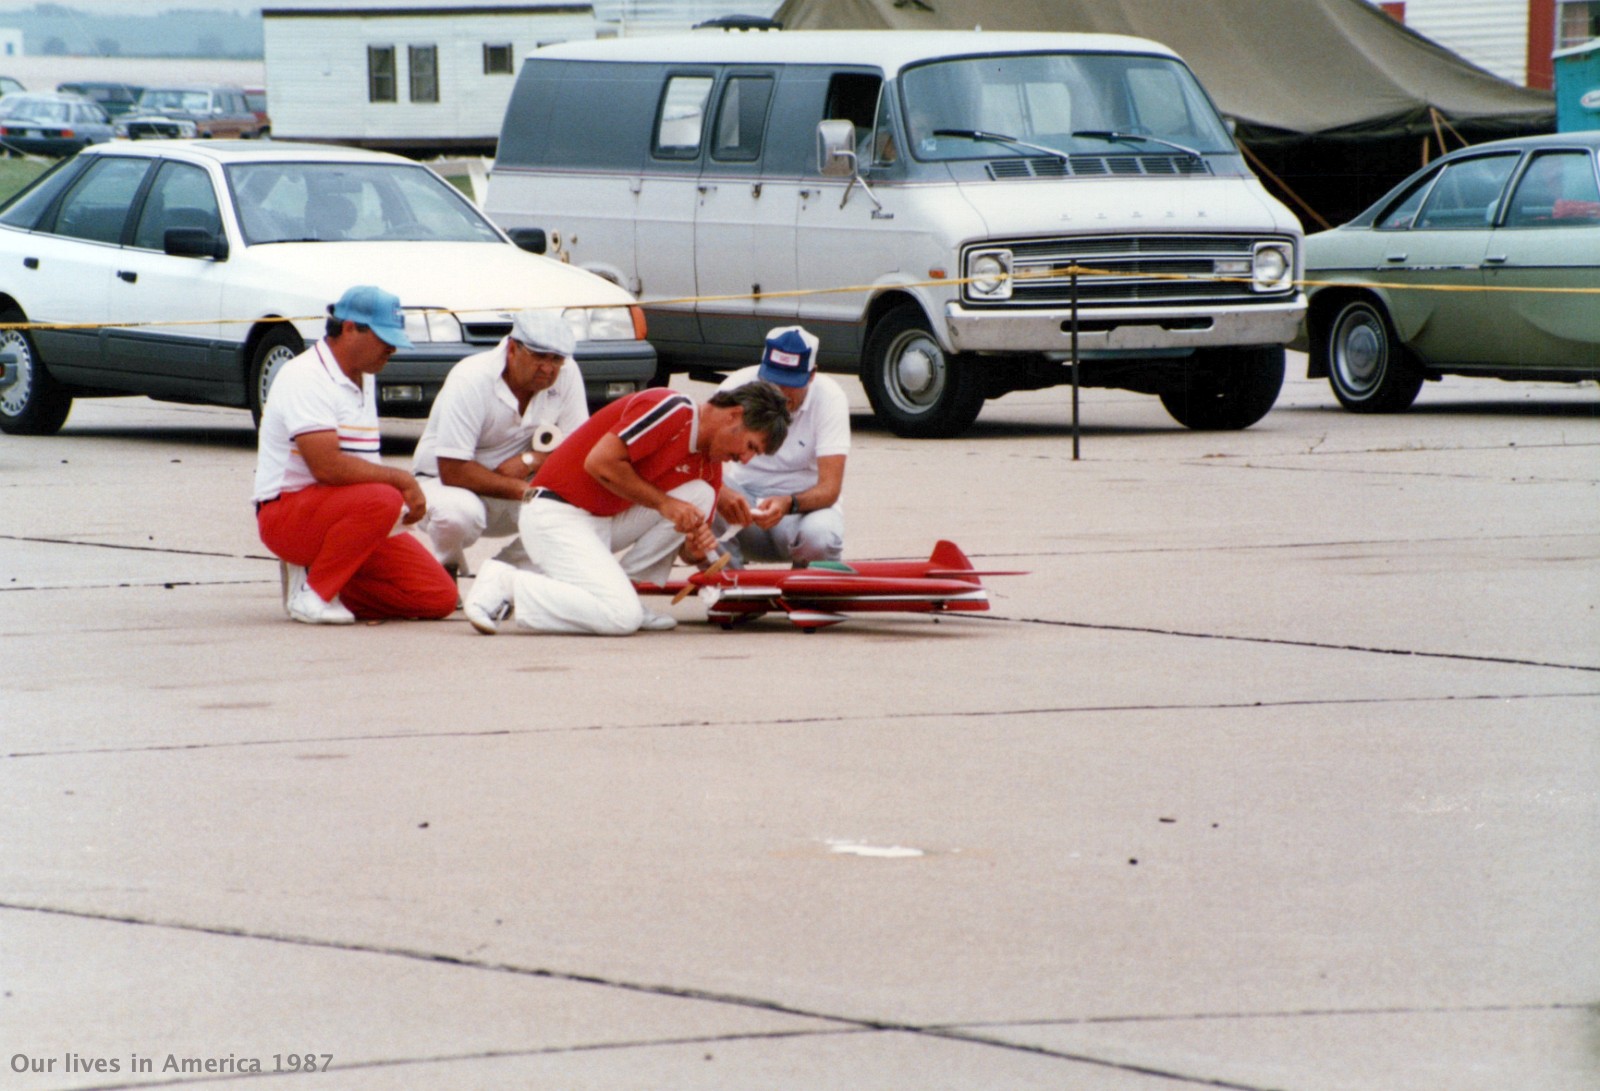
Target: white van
(914, 199)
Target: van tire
(916, 388)
(277, 347)
(1224, 390)
(35, 405)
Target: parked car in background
(8, 85)
(256, 99)
(115, 99)
(1465, 268)
(192, 270)
(198, 110)
(45, 123)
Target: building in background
(1514, 39)
(411, 76)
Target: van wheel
(278, 346)
(34, 405)
(1224, 390)
(1367, 367)
(916, 388)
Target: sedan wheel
(34, 405)
(280, 344)
(1367, 367)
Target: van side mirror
(530, 239)
(836, 149)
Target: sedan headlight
(989, 274)
(604, 323)
(1272, 267)
(440, 326)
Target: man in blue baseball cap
(326, 504)
(789, 499)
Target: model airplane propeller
(826, 592)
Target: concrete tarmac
(1277, 771)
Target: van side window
(742, 118)
(680, 120)
(853, 96)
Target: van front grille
(1130, 270)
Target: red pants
(340, 534)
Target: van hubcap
(918, 373)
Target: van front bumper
(1121, 329)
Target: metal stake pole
(1075, 431)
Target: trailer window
(380, 73)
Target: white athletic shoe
(657, 623)
(291, 578)
(490, 600)
(307, 606)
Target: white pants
(578, 585)
(458, 517)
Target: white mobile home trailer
(404, 76)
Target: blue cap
(790, 356)
(375, 309)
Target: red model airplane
(824, 592)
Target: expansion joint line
(844, 1022)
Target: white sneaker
(307, 606)
(490, 601)
(657, 623)
(291, 578)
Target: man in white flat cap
(490, 429)
(794, 491)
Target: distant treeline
(60, 30)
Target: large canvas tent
(1334, 100)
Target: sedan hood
(466, 277)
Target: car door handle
(707, 189)
(30, 263)
(128, 275)
(1495, 259)
(1394, 257)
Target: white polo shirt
(312, 394)
(820, 427)
(475, 415)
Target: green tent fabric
(1294, 66)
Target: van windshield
(1046, 98)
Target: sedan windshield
(1065, 102)
(351, 202)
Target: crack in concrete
(1465, 657)
(675, 992)
(792, 721)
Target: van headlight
(600, 323)
(438, 326)
(989, 274)
(1271, 267)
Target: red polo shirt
(660, 428)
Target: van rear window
(680, 120)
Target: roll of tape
(545, 438)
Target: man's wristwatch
(794, 504)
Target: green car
(1486, 262)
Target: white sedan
(190, 271)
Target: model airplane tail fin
(948, 556)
